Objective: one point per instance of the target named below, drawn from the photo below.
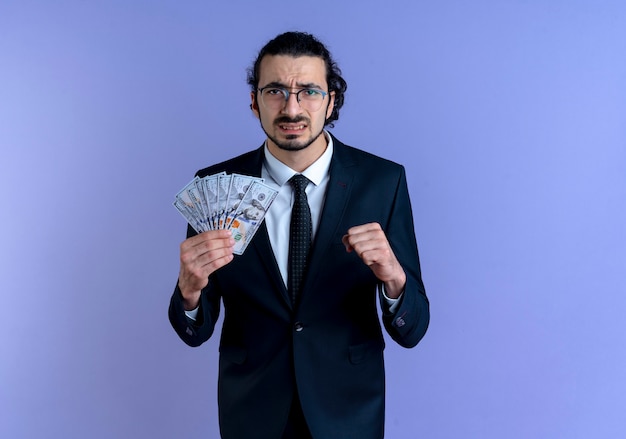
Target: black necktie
(299, 235)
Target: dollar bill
(210, 192)
(187, 210)
(250, 214)
(226, 201)
(223, 187)
(239, 186)
(187, 202)
(201, 199)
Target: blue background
(508, 115)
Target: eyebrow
(278, 84)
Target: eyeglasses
(275, 98)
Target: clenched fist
(371, 245)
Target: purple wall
(508, 115)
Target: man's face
(293, 127)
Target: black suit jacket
(330, 348)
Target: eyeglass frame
(289, 93)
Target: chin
(292, 142)
(293, 145)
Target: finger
(215, 258)
(370, 251)
(206, 236)
(195, 273)
(346, 243)
(367, 240)
(364, 228)
(210, 246)
(380, 255)
(206, 242)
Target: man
(303, 356)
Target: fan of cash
(226, 201)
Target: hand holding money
(200, 256)
(225, 211)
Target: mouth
(289, 128)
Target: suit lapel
(337, 195)
(261, 241)
(263, 247)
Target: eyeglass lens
(276, 98)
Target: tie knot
(299, 183)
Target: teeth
(299, 127)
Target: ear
(254, 104)
(331, 104)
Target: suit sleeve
(408, 324)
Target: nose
(292, 106)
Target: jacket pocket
(362, 352)
(233, 354)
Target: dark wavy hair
(303, 44)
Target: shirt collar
(281, 173)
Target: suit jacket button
(298, 327)
(400, 322)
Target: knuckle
(195, 272)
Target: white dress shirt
(278, 217)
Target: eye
(274, 92)
(311, 92)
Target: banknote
(187, 212)
(223, 186)
(187, 201)
(250, 213)
(211, 192)
(226, 201)
(239, 186)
